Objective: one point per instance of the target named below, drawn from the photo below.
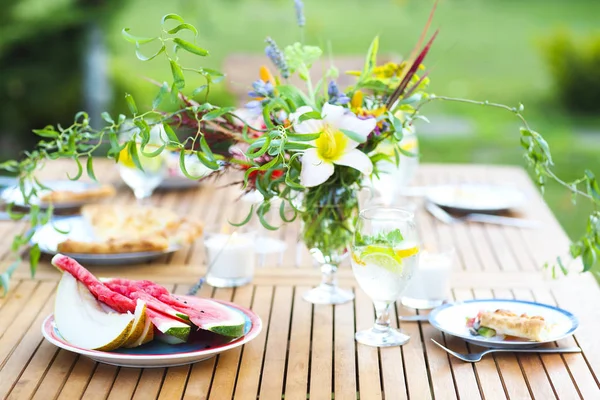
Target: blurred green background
(543, 53)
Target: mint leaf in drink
(395, 237)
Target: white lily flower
(333, 147)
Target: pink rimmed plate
(201, 346)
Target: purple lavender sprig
(299, 6)
(335, 95)
(276, 56)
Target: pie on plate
(131, 229)
(508, 323)
(75, 196)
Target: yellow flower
(357, 100)
(266, 75)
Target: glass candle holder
(430, 285)
(230, 258)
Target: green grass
(487, 49)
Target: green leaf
(131, 104)
(199, 90)
(47, 132)
(263, 209)
(90, 168)
(170, 133)
(142, 57)
(178, 78)
(79, 170)
(372, 84)
(297, 146)
(106, 116)
(354, 136)
(206, 148)
(219, 112)
(310, 115)
(184, 169)
(212, 75)
(183, 26)
(588, 257)
(245, 220)
(133, 153)
(264, 147)
(282, 213)
(174, 17)
(290, 182)
(190, 47)
(34, 258)
(592, 185)
(164, 89)
(4, 283)
(136, 39)
(371, 59)
(211, 164)
(564, 269)
(154, 153)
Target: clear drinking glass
(143, 182)
(385, 254)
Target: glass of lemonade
(385, 254)
(143, 182)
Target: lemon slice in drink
(384, 260)
(387, 257)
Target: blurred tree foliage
(575, 68)
(41, 57)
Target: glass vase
(327, 229)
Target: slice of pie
(71, 196)
(131, 229)
(511, 324)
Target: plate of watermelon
(138, 323)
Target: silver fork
(475, 357)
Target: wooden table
(310, 350)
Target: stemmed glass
(143, 182)
(384, 253)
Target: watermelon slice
(204, 313)
(117, 301)
(134, 293)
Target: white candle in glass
(231, 259)
(430, 285)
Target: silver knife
(446, 218)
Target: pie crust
(69, 196)
(132, 229)
(508, 323)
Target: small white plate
(451, 319)
(476, 198)
(14, 195)
(156, 354)
(50, 235)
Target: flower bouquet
(310, 146)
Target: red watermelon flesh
(123, 287)
(114, 300)
(204, 313)
(118, 301)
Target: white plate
(157, 354)
(14, 195)
(451, 319)
(48, 237)
(476, 198)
